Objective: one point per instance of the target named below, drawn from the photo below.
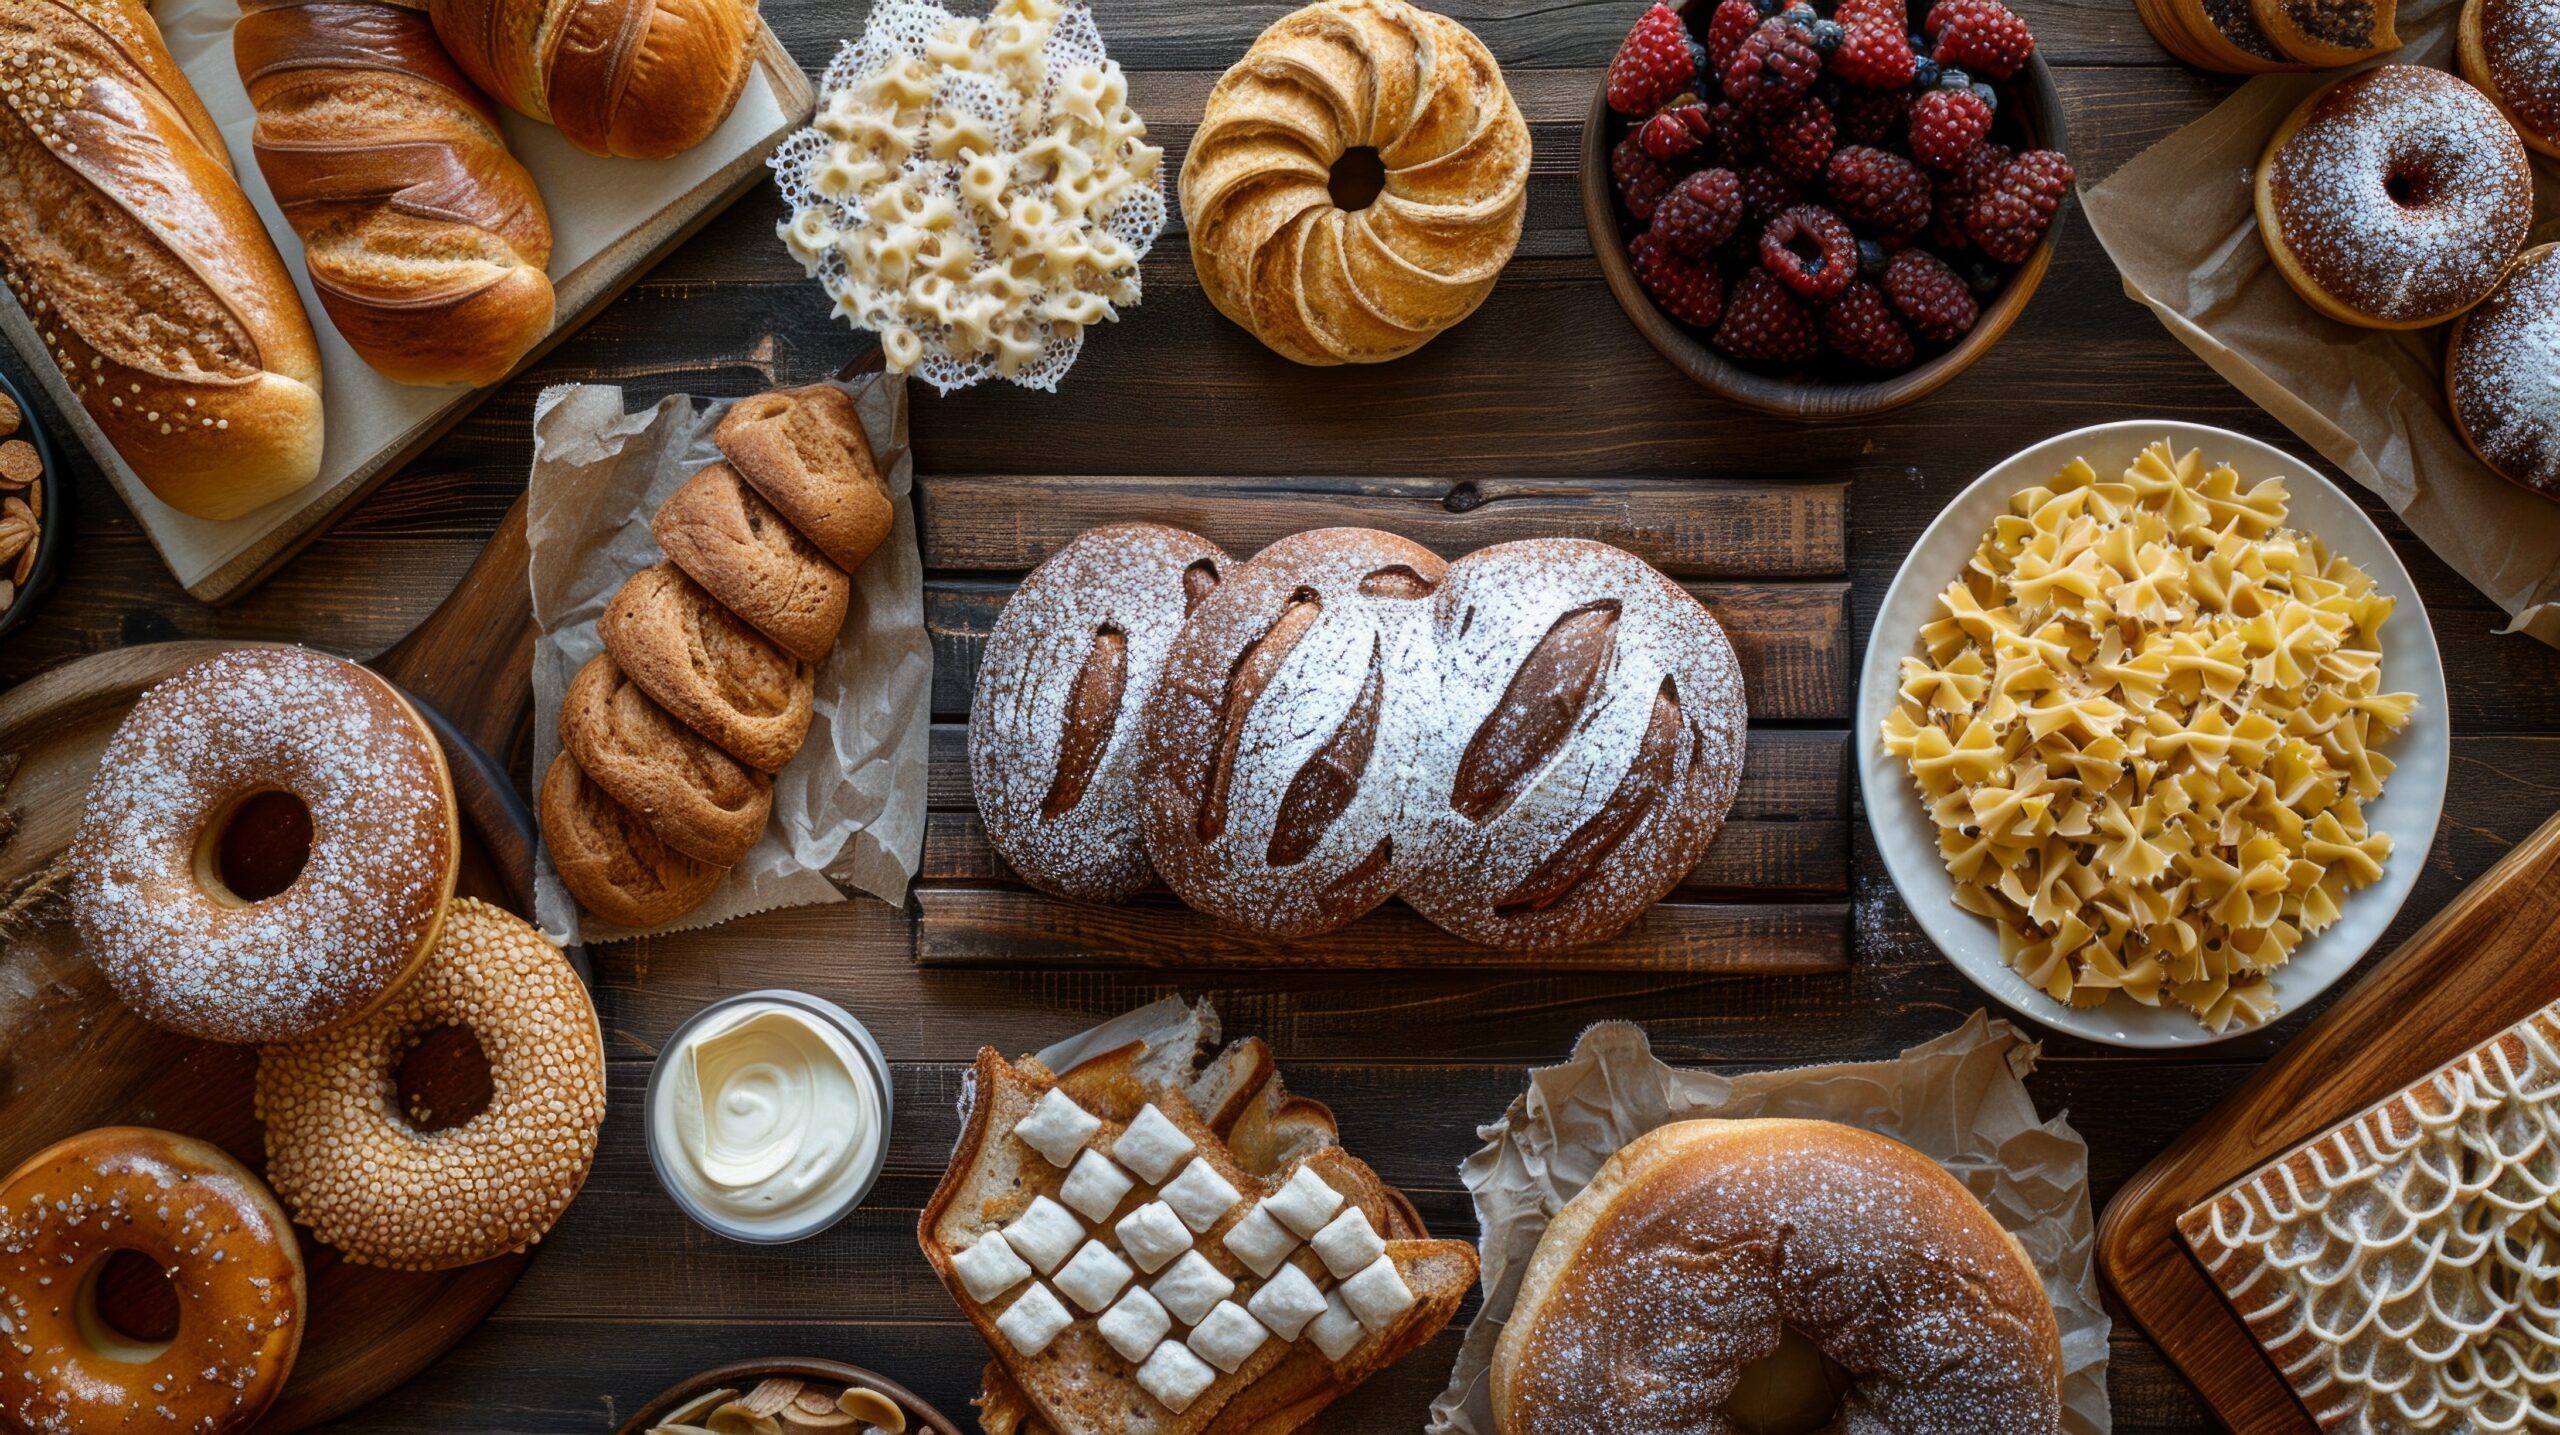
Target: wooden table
(1549, 379)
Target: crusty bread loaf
(804, 449)
(426, 241)
(727, 538)
(691, 795)
(609, 859)
(1054, 726)
(128, 241)
(643, 78)
(725, 680)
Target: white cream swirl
(769, 1119)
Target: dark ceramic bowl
(922, 1419)
(55, 534)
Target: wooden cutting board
(72, 1058)
(2488, 960)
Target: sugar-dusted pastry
(2511, 50)
(2502, 374)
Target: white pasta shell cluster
(2145, 723)
(978, 192)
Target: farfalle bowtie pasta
(976, 192)
(2146, 724)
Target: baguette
(135, 254)
(426, 240)
(642, 78)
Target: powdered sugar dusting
(381, 861)
(2465, 193)
(2520, 39)
(2506, 373)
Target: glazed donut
(268, 847)
(231, 1260)
(1700, 1243)
(365, 1180)
(2502, 374)
(2395, 198)
(2511, 50)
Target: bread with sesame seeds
(127, 240)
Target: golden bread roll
(642, 78)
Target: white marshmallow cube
(1057, 1127)
(1033, 1321)
(1134, 1325)
(1377, 1293)
(1347, 1243)
(1153, 1235)
(1200, 1196)
(988, 1267)
(1287, 1302)
(1094, 1186)
(1094, 1278)
(1260, 1241)
(1044, 1234)
(1152, 1145)
(1174, 1376)
(1305, 1203)
(1228, 1336)
(1336, 1331)
(1192, 1288)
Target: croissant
(426, 241)
(643, 78)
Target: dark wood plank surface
(1547, 381)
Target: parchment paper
(593, 201)
(850, 806)
(1959, 1099)
(2180, 223)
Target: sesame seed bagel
(231, 1259)
(355, 1171)
(1700, 1243)
(168, 815)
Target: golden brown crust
(610, 860)
(743, 552)
(805, 450)
(694, 797)
(640, 78)
(1697, 1243)
(2220, 35)
(233, 1261)
(2328, 32)
(718, 676)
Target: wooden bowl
(2031, 109)
(922, 1419)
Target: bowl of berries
(1824, 212)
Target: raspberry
(1955, 192)
(1765, 193)
(1766, 324)
(1862, 327)
(1979, 35)
(1653, 63)
(1642, 179)
(1732, 23)
(1700, 213)
(1888, 14)
(1689, 292)
(1878, 189)
(1875, 56)
(1870, 117)
(1947, 125)
(1799, 138)
(1811, 251)
(1931, 295)
(1775, 66)
(1735, 138)
(2016, 204)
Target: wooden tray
(922, 1419)
(1771, 895)
(2488, 960)
(72, 1058)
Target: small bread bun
(610, 860)
(703, 663)
(727, 538)
(804, 449)
(694, 797)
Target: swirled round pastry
(1357, 181)
(1701, 1243)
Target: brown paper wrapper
(849, 810)
(2180, 223)
(1960, 1100)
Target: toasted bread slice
(1078, 1384)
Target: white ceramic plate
(2411, 802)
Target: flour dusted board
(610, 218)
(1771, 895)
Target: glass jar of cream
(769, 1116)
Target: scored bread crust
(1698, 1242)
(805, 450)
(726, 537)
(1079, 1385)
(694, 797)
(1061, 696)
(703, 663)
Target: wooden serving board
(2488, 960)
(1768, 560)
(72, 1058)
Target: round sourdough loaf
(1598, 718)
(1296, 713)
(1054, 726)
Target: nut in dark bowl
(35, 509)
(1824, 212)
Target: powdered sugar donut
(2511, 50)
(1054, 725)
(268, 848)
(2502, 374)
(1594, 726)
